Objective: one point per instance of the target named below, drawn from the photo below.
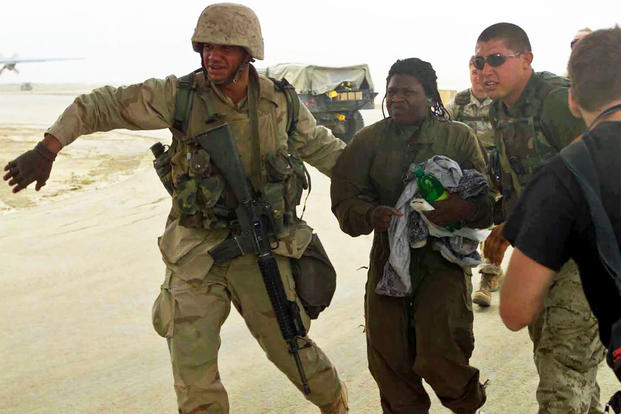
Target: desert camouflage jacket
(150, 105)
(466, 108)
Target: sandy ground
(80, 270)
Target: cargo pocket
(186, 251)
(163, 312)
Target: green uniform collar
(420, 130)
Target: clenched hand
(33, 165)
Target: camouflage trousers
(567, 348)
(190, 313)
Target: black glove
(33, 165)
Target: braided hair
(424, 73)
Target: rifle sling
(253, 102)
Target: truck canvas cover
(316, 80)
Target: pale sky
(128, 41)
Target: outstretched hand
(33, 165)
(381, 217)
(495, 245)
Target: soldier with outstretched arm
(204, 274)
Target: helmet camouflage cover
(229, 24)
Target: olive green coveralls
(428, 335)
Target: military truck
(334, 95)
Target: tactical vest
(520, 141)
(461, 100)
(201, 198)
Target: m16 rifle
(256, 235)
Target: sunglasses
(494, 60)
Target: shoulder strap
(183, 101)
(293, 103)
(578, 160)
(463, 98)
(293, 113)
(548, 81)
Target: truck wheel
(354, 124)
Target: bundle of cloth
(414, 230)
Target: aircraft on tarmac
(9, 63)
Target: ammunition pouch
(195, 202)
(287, 180)
(315, 278)
(289, 169)
(273, 195)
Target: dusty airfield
(81, 269)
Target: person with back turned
(553, 221)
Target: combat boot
(489, 283)
(339, 406)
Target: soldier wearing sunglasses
(532, 122)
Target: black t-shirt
(552, 223)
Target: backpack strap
(461, 100)
(293, 103)
(293, 113)
(578, 160)
(183, 101)
(548, 82)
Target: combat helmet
(229, 24)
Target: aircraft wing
(9, 63)
(13, 61)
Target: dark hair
(514, 36)
(595, 69)
(424, 73)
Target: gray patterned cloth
(414, 230)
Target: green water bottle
(429, 186)
(432, 190)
